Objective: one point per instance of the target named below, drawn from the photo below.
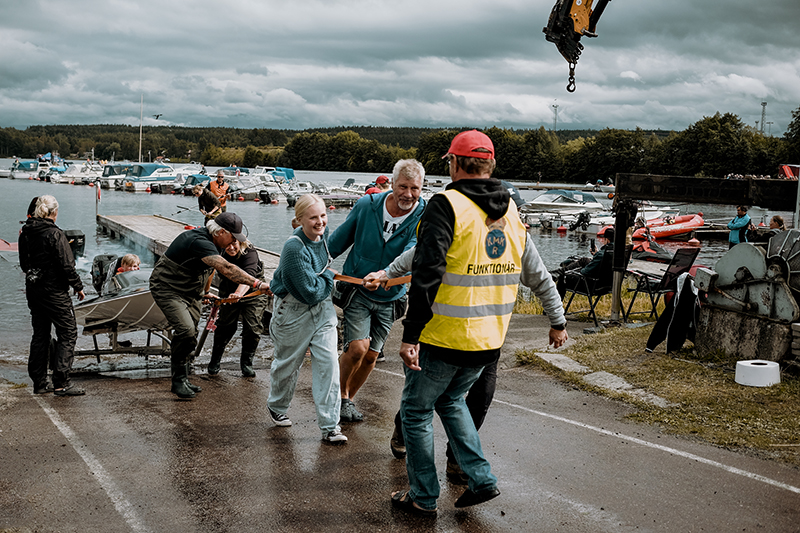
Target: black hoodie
(44, 247)
(434, 237)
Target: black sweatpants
(51, 309)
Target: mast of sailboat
(141, 115)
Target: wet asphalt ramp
(129, 456)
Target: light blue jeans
(441, 387)
(294, 328)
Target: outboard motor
(100, 266)
(77, 241)
(265, 196)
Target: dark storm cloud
(322, 63)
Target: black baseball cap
(232, 223)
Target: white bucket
(758, 373)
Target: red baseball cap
(472, 143)
(381, 179)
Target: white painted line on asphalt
(693, 457)
(122, 505)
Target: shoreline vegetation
(705, 401)
(716, 146)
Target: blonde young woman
(304, 318)
(248, 310)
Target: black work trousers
(51, 309)
(479, 398)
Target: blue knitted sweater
(298, 273)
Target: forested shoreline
(715, 146)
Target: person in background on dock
(179, 280)
(738, 227)
(776, 225)
(378, 229)
(472, 253)
(46, 259)
(304, 318)
(208, 203)
(221, 189)
(249, 309)
(381, 185)
(569, 276)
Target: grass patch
(708, 403)
(528, 304)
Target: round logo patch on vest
(495, 243)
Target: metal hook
(571, 84)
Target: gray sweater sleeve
(536, 277)
(402, 265)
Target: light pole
(555, 117)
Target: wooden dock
(156, 232)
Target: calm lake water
(269, 226)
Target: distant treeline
(714, 146)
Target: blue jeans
(441, 387)
(294, 328)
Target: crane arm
(569, 21)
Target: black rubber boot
(247, 365)
(179, 383)
(216, 357)
(193, 388)
(249, 346)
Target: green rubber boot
(213, 365)
(247, 365)
(179, 383)
(193, 388)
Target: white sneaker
(335, 437)
(279, 420)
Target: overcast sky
(436, 63)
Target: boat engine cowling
(100, 265)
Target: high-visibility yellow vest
(473, 306)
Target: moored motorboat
(143, 176)
(677, 228)
(85, 173)
(27, 170)
(563, 201)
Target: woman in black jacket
(46, 258)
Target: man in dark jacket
(179, 280)
(472, 253)
(46, 258)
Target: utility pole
(141, 110)
(763, 116)
(555, 117)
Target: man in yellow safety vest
(472, 252)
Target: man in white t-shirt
(379, 228)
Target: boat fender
(274, 201)
(241, 198)
(147, 189)
(562, 229)
(693, 242)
